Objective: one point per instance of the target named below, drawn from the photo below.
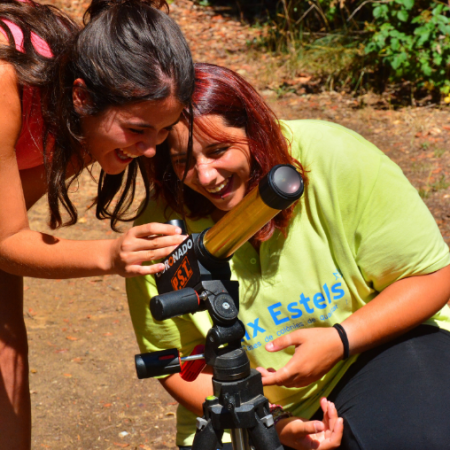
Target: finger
(151, 229)
(310, 427)
(143, 250)
(266, 375)
(267, 378)
(264, 371)
(324, 406)
(133, 250)
(282, 377)
(157, 242)
(337, 433)
(149, 255)
(138, 270)
(271, 378)
(332, 415)
(130, 245)
(281, 343)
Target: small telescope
(197, 278)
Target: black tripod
(197, 278)
(238, 402)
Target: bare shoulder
(10, 108)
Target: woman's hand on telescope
(300, 434)
(143, 243)
(317, 350)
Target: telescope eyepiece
(282, 186)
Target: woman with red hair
(343, 295)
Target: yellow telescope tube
(281, 187)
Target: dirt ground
(85, 394)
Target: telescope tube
(281, 187)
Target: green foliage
(414, 43)
(405, 42)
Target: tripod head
(197, 278)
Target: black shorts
(397, 396)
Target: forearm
(399, 308)
(33, 254)
(189, 394)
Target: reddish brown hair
(222, 92)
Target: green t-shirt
(359, 227)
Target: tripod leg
(206, 437)
(264, 437)
(239, 438)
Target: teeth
(121, 155)
(219, 187)
(127, 155)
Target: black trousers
(397, 396)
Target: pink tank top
(29, 147)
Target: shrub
(413, 42)
(406, 42)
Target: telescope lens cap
(286, 180)
(281, 187)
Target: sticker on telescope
(180, 269)
(182, 275)
(190, 370)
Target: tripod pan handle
(156, 364)
(173, 304)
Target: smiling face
(120, 134)
(219, 169)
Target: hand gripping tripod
(197, 278)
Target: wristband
(278, 413)
(273, 407)
(343, 335)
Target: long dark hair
(128, 51)
(222, 92)
(48, 22)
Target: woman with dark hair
(108, 93)
(343, 296)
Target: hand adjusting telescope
(197, 278)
